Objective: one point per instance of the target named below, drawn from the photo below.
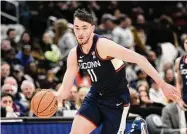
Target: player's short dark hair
(84, 15)
(9, 30)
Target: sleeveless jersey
(108, 77)
(183, 71)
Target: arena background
(36, 37)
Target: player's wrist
(160, 83)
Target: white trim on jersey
(123, 120)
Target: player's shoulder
(104, 42)
(73, 53)
(73, 50)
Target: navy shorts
(107, 112)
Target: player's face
(82, 31)
(185, 44)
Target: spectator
(19, 74)
(144, 96)
(134, 97)
(141, 75)
(48, 82)
(73, 97)
(10, 57)
(173, 119)
(24, 56)
(34, 72)
(5, 71)
(28, 89)
(107, 25)
(25, 40)
(83, 91)
(12, 81)
(11, 35)
(169, 76)
(50, 50)
(5, 46)
(156, 95)
(122, 34)
(8, 88)
(64, 38)
(7, 104)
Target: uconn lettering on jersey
(183, 71)
(89, 64)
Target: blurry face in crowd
(11, 81)
(82, 94)
(7, 88)
(5, 45)
(152, 56)
(185, 44)
(26, 37)
(6, 101)
(128, 22)
(5, 70)
(140, 19)
(167, 65)
(33, 67)
(10, 54)
(27, 50)
(74, 93)
(28, 90)
(134, 98)
(142, 75)
(83, 31)
(47, 38)
(12, 35)
(108, 24)
(18, 74)
(117, 13)
(169, 75)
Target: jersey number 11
(92, 75)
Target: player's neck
(86, 47)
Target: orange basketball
(44, 104)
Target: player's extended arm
(70, 74)
(106, 48)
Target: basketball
(44, 104)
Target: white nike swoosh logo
(81, 56)
(118, 104)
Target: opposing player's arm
(178, 78)
(70, 74)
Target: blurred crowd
(36, 59)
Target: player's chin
(82, 43)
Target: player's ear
(93, 28)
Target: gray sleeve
(70, 41)
(66, 43)
(166, 120)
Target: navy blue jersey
(183, 71)
(107, 75)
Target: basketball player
(107, 103)
(181, 80)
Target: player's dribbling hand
(170, 92)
